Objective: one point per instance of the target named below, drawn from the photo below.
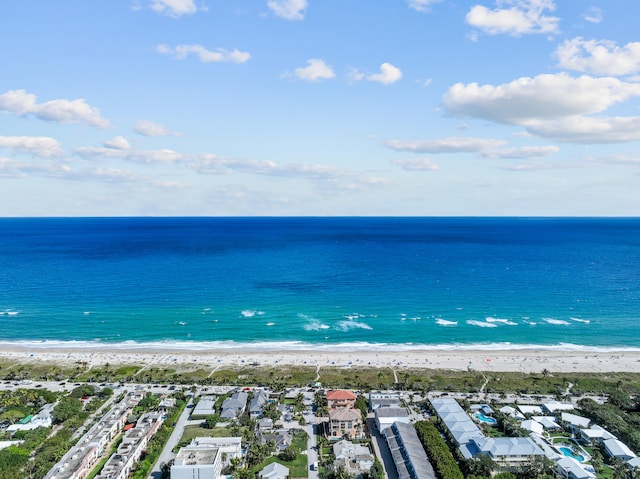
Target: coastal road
(167, 453)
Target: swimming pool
(482, 418)
(569, 453)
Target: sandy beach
(521, 360)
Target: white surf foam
(444, 322)
(580, 320)
(481, 324)
(555, 321)
(349, 325)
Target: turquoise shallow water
(330, 282)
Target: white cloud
(117, 143)
(453, 144)
(354, 75)
(146, 157)
(150, 128)
(220, 55)
(388, 74)
(544, 97)
(316, 70)
(522, 153)
(593, 15)
(288, 9)
(602, 57)
(417, 164)
(422, 5)
(514, 17)
(174, 8)
(589, 130)
(61, 111)
(41, 146)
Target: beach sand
(519, 360)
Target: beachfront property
(355, 458)
(340, 398)
(234, 406)
(258, 401)
(574, 422)
(570, 468)
(44, 418)
(506, 451)
(618, 449)
(383, 399)
(206, 406)
(386, 416)
(345, 423)
(408, 454)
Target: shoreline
(524, 360)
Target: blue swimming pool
(569, 453)
(482, 418)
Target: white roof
(524, 409)
(597, 432)
(553, 406)
(574, 468)
(574, 420)
(508, 446)
(533, 426)
(548, 422)
(617, 448)
(274, 470)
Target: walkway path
(167, 453)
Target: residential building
(205, 457)
(234, 406)
(355, 458)
(274, 470)
(340, 398)
(259, 399)
(204, 407)
(386, 416)
(569, 468)
(344, 422)
(507, 451)
(618, 449)
(383, 399)
(408, 453)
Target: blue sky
(319, 107)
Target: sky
(320, 108)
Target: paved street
(167, 453)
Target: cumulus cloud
(61, 111)
(417, 164)
(288, 9)
(315, 70)
(514, 17)
(534, 99)
(422, 5)
(602, 57)
(41, 146)
(174, 8)
(522, 153)
(150, 128)
(593, 15)
(446, 145)
(388, 74)
(117, 143)
(220, 55)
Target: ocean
(337, 283)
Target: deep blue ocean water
(337, 282)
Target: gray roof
(408, 454)
(507, 447)
(391, 412)
(461, 426)
(573, 468)
(258, 400)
